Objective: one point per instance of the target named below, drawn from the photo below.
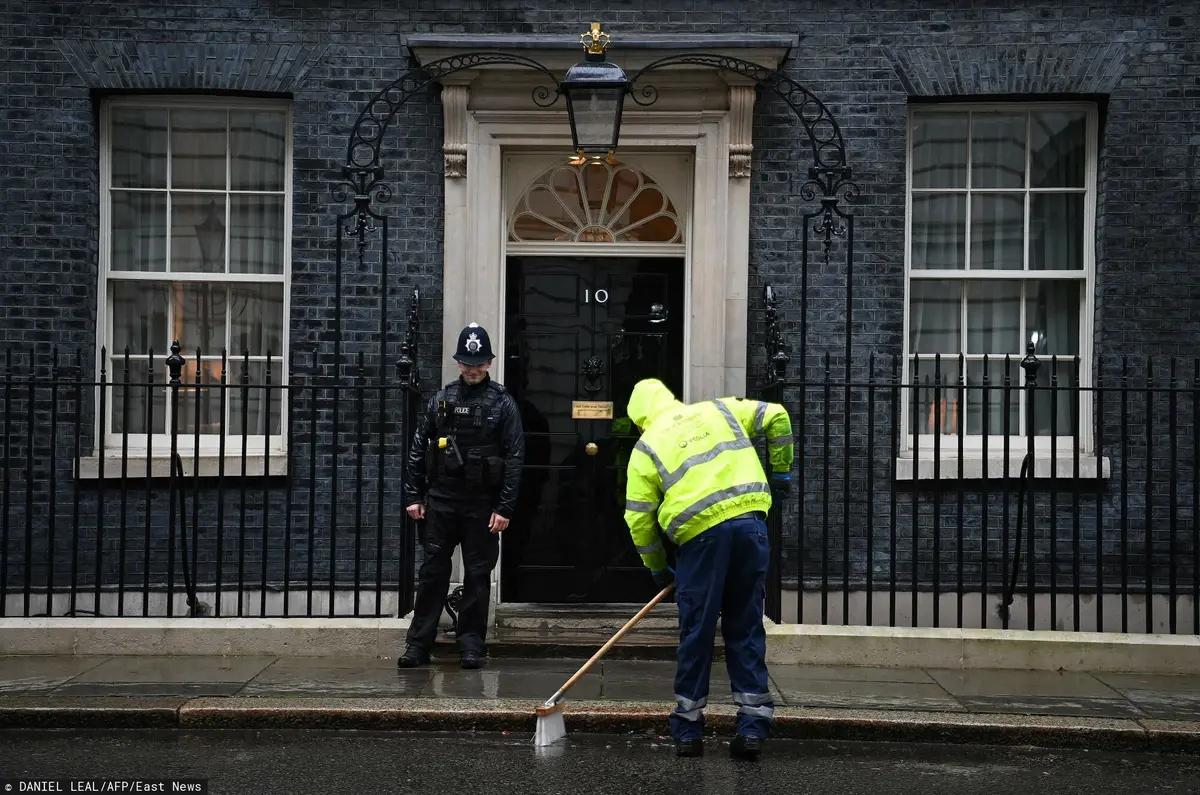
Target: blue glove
(781, 483)
(663, 578)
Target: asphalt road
(266, 763)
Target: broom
(550, 724)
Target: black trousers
(449, 523)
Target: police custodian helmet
(474, 346)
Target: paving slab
(1165, 705)
(1053, 684)
(20, 673)
(156, 670)
(1161, 682)
(1047, 705)
(530, 679)
(299, 676)
(798, 674)
(869, 695)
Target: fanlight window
(595, 203)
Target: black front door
(580, 333)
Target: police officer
(464, 468)
(695, 474)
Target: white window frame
(1018, 442)
(158, 445)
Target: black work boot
(470, 659)
(412, 658)
(745, 747)
(693, 747)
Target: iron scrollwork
(406, 365)
(829, 177)
(363, 174)
(777, 356)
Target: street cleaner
(695, 474)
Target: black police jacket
(501, 426)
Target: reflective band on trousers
(709, 500)
(757, 704)
(689, 709)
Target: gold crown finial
(595, 41)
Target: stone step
(603, 618)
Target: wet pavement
(1069, 694)
(398, 762)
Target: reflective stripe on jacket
(695, 465)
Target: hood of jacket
(649, 400)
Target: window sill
(206, 465)
(1063, 467)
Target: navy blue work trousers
(722, 573)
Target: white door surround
(489, 112)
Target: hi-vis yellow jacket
(695, 465)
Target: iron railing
(998, 493)
(225, 486)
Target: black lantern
(595, 91)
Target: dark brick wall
(865, 60)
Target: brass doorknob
(590, 448)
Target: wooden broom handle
(620, 633)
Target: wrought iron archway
(828, 183)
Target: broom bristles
(551, 727)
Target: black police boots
(693, 747)
(412, 658)
(745, 747)
(470, 660)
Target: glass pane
(1058, 152)
(198, 149)
(997, 231)
(595, 113)
(1056, 231)
(139, 317)
(662, 229)
(256, 234)
(248, 398)
(201, 404)
(529, 227)
(624, 183)
(998, 150)
(1052, 317)
(542, 200)
(139, 231)
(197, 232)
(990, 398)
(258, 150)
(935, 317)
(939, 231)
(595, 182)
(939, 150)
(1056, 403)
(199, 317)
(130, 404)
(139, 148)
(256, 319)
(994, 317)
(937, 406)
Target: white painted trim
(1087, 277)
(500, 119)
